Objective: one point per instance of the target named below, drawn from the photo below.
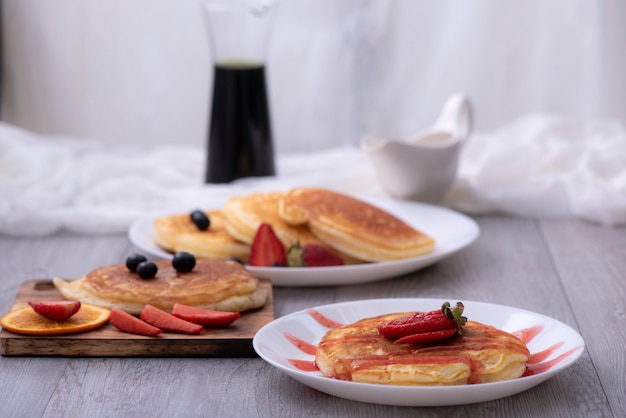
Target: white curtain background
(140, 71)
(105, 104)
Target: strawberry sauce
(301, 344)
(544, 354)
(533, 369)
(527, 334)
(323, 320)
(304, 365)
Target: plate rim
(497, 389)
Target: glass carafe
(240, 133)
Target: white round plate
(451, 231)
(564, 344)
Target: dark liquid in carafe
(240, 138)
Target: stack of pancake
(358, 352)
(355, 230)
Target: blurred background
(140, 71)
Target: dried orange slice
(27, 321)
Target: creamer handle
(457, 116)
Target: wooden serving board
(107, 341)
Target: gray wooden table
(572, 271)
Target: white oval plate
(564, 344)
(452, 231)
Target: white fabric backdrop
(114, 95)
(139, 71)
(539, 167)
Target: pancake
(176, 233)
(352, 226)
(359, 353)
(244, 214)
(212, 284)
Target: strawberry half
(55, 310)
(267, 250)
(428, 337)
(426, 327)
(312, 255)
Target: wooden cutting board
(232, 341)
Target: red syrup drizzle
(323, 320)
(535, 364)
(527, 334)
(538, 368)
(544, 354)
(307, 348)
(304, 365)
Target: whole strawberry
(312, 255)
(426, 327)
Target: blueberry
(147, 269)
(133, 260)
(183, 262)
(200, 219)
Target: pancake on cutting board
(212, 284)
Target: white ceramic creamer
(424, 167)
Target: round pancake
(212, 284)
(352, 226)
(359, 353)
(176, 233)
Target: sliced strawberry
(267, 250)
(428, 337)
(55, 310)
(127, 323)
(168, 322)
(204, 317)
(312, 255)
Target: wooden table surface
(572, 271)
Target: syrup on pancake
(357, 352)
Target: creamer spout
(371, 145)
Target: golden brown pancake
(212, 284)
(352, 226)
(244, 214)
(359, 353)
(176, 233)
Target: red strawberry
(428, 337)
(312, 255)
(168, 322)
(204, 317)
(56, 310)
(417, 323)
(267, 250)
(128, 323)
(426, 326)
